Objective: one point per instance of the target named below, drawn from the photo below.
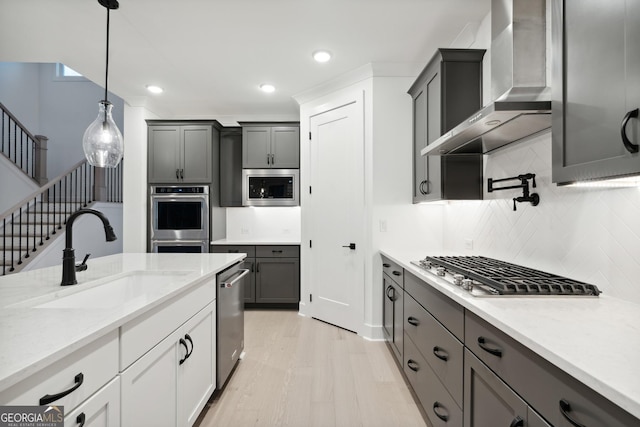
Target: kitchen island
(124, 305)
(594, 340)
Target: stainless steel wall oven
(179, 218)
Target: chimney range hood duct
(522, 99)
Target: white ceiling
(210, 56)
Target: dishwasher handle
(229, 284)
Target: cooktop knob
(440, 271)
(467, 285)
(457, 279)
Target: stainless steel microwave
(270, 187)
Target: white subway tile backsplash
(587, 234)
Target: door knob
(351, 246)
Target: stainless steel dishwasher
(230, 320)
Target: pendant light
(102, 141)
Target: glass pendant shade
(102, 141)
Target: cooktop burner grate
(512, 279)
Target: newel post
(100, 184)
(40, 160)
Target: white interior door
(337, 217)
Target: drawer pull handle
(276, 251)
(48, 398)
(184, 343)
(413, 321)
(188, 338)
(565, 408)
(413, 365)
(80, 419)
(517, 422)
(440, 353)
(385, 265)
(391, 297)
(443, 417)
(630, 146)
(396, 273)
(234, 251)
(495, 351)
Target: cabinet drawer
(92, 366)
(438, 404)
(540, 383)
(448, 312)
(441, 350)
(393, 270)
(141, 334)
(101, 409)
(278, 251)
(234, 249)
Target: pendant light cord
(106, 74)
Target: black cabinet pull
(276, 252)
(258, 268)
(440, 353)
(177, 173)
(396, 273)
(443, 416)
(413, 365)
(234, 251)
(483, 345)
(184, 343)
(517, 422)
(385, 265)
(188, 338)
(630, 146)
(80, 419)
(48, 398)
(565, 408)
(181, 173)
(413, 321)
(391, 297)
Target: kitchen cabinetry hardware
(565, 408)
(184, 343)
(482, 342)
(49, 398)
(532, 198)
(276, 251)
(351, 246)
(422, 186)
(413, 321)
(517, 422)
(396, 273)
(385, 265)
(188, 338)
(80, 419)
(440, 353)
(177, 174)
(391, 290)
(436, 407)
(413, 365)
(630, 146)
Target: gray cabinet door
(196, 146)
(420, 174)
(164, 154)
(487, 400)
(256, 147)
(231, 168)
(387, 308)
(285, 147)
(250, 282)
(277, 280)
(596, 84)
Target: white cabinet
(170, 384)
(100, 410)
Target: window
(66, 73)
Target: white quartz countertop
(595, 340)
(32, 338)
(257, 241)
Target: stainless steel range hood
(522, 99)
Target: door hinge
(310, 244)
(309, 136)
(310, 297)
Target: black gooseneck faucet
(69, 266)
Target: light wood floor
(299, 371)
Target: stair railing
(24, 149)
(35, 219)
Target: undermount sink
(108, 292)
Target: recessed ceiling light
(321, 56)
(154, 89)
(267, 88)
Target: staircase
(28, 226)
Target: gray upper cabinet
(180, 153)
(265, 147)
(596, 85)
(447, 92)
(231, 167)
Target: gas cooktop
(483, 276)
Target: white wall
(88, 238)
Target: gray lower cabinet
(446, 93)
(231, 167)
(181, 152)
(393, 306)
(270, 146)
(596, 89)
(274, 273)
